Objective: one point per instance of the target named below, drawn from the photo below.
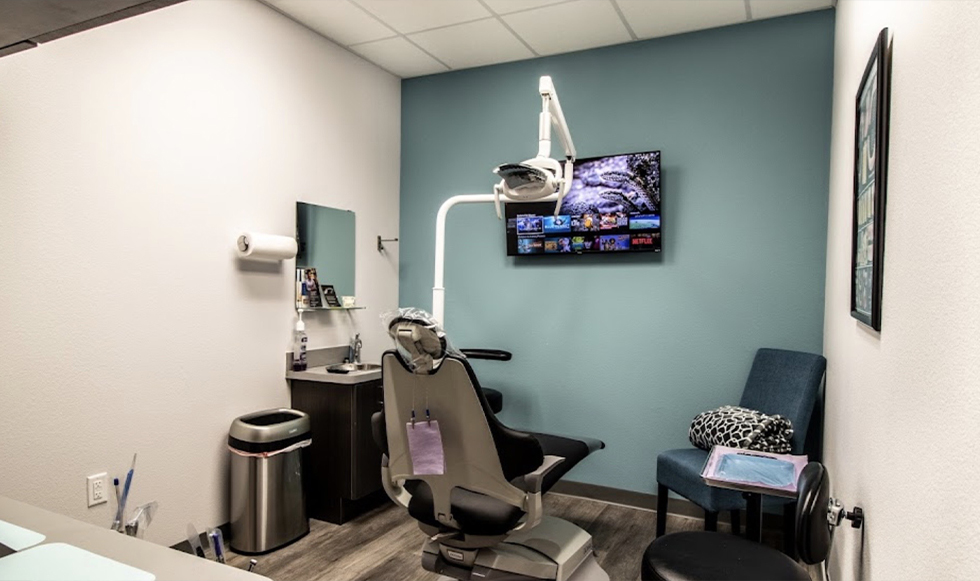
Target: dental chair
(481, 505)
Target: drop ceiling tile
(508, 6)
(408, 16)
(569, 26)
(651, 18)
(473, 44)
(399, 56)
(772, 8)
(338, 20)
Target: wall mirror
(325, 237)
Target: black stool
(708, 556)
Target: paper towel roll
(267, 247)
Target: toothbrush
(121, 510)
(217, 542)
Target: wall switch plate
(98, 489)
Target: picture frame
(870, 180)
(308, 289)
(330, 295)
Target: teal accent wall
(630, 348)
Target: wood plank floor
(386, 544)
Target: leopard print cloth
(739, 427)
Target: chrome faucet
(354, 349)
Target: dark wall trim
(642, 500)
(141, 8)
(32, 20)
(675, 506)
(17, 47)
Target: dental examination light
(538, 179)
(541, 176)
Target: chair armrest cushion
(489, 354)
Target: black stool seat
(692, 556)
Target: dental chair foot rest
(555, 549)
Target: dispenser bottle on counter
(299, 345)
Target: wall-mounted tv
(613, 207)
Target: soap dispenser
(299, 345)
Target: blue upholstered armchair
(781, 382)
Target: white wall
(903, 408)
(130, 156)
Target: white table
(163, 562)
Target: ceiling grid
(412, 38)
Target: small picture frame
(330, 295)
(870, 178)
(308, 289)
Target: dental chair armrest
(488, 354)
(534, 479)
(395, 491)
(532, 485)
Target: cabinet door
(366, 457)
(328, 458)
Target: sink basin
(352, 367)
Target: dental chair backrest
(481, 455)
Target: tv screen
(613, 207)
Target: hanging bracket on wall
(381, 242)
(836, 513)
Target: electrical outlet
(98, 485)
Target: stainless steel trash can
(268, 502)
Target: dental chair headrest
(420, 341)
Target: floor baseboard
(630, 498)
(642, 500)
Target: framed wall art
(870, 179)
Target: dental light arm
(438, 290)
(540, 179)
(541, 176)
(551, 113)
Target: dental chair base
(555, 549)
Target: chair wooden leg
(736, 522)
(789, 529)
(662, 492)
(710, 521)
